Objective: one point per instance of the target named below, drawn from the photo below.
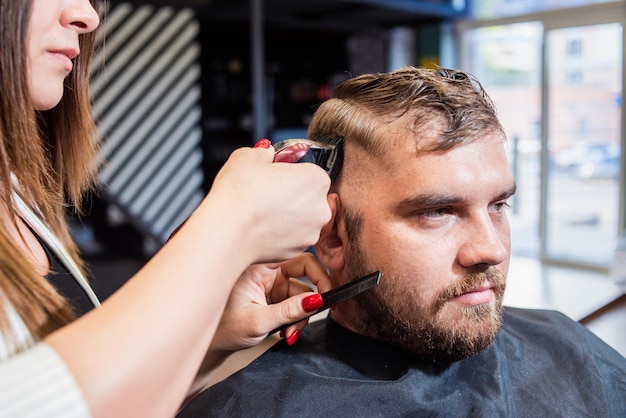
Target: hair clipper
(328, 154)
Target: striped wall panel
(146, 92)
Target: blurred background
(178, 85)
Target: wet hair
(51, 153)
(362, 107)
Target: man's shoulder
(536, 316)
(542, 324)
(555, 334)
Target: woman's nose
(81, 15)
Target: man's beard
(429, 330)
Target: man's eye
(433, 213)
(502, 206)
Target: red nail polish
(312, 303)
(293, 337)
(263, 143)
(281, 334)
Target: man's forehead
(482, 159)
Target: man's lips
(479, 295)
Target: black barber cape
(542, 364)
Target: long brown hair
(52, 154)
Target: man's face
(435, 225)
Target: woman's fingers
(305, 265)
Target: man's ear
(331, 245)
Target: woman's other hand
(266, 297)
(269, 296)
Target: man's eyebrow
(507, 194)
(427, 200)
(433, 200)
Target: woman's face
(53, 44)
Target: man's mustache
(471, 281)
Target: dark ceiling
(331, 15)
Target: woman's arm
(138, 354)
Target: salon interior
(179, 84)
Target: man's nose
(484, 242)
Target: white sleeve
(37, 383)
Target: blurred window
(557, 84)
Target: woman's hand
(284, 205)
(266, 297)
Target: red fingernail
(281, 334)
(263, 143)
(293, 337)
(312, 303)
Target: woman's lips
(65, 57)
